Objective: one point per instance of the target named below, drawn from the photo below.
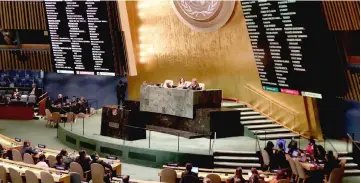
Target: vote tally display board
(81, 37)
(292, 45)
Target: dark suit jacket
(105, 165)
(188, 173)
(29, 150)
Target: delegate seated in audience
(42, 162)
(237, 178)
(67, 160)
(254, 178)
(28, 149)
(280, 158)
(320, 153)
(330, 164)
(16, 94)
(3, 152)
(59, 101)
(188, 171)
(292, 146)
(310, 149)
(281, 174)
(83, 160)
(82, 105)
(181, 83)
(107, 168)
(194, 84)
(207, 180)
(60, 165)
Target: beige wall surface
(166, 49)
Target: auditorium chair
(202, 86)
(30, 177)
(3, 174)
(55, 119)
(70, 117)
(32, 99)
(97, 172)
(24, 98)
(168, 175)
(46, 177)
(293, 167)
(215, 178)
(190, 179)
(17, 155)
(75, 177)
(28, 159)
(301, 172)
(336, 175)
(52, 160)
(81, 115)
(342, 163)
(266, 158)
(283, 181)
(75, 167)
(15, 176)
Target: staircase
(351, 168)
(266, 129)
(230, 160)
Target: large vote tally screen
(286, 37)
(80, 37)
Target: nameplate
(113, 125)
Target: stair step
(270, 131)
(234, 152)
(231, 170)
(244, 109)
(342, 153)
(352, 171)
(249, 113)
(277, 136)
(250, 165)
(260, 127)
(236, 158)
(350, 165)
(253, 122)
(252, 117)
(347, 158)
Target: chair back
(3, 175)
(75, 177)
(32, 99)
(17, 155)
(47, 113)
(56, 117)
(293, 166)
(336, 175)
(15, 176)
(81, 115)
(75, 167)
(31, 177)
(202, 86)
(52, 160)
(70, 117)
(28, 159)
(342, 163)
(24, 98)
(190, 179)
(46, 177)
(283, 181)
(301, 172)
(168, 175)
(97, 172)
(187, 83)
(215, 178)
(265, 157)
(168, 81)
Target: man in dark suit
(121, 88)
(188, 171)
(107, 168)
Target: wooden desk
(218, 170)
(311, 166)
(9, 143)
(135, 180)
(22, 167)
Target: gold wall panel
(37, 60)
(166, 49)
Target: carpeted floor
(37, 133)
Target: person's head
(82, 98)
(254, 178)
(64, 152)
(17, 90)
(312, 141)
(254, 171)
(281, 174)
(168, 85)
(126, 179)
(292, 144)
(95, 156)
(42, 157)
(194, 81)
(82, 154)
(321, 151)
(280, 146)
(330, 156)
(59, 159)
(27, 143)
(60, 96)
(181, 80)
(189, 167)
(238, 172)
(207, 180)
(33, 85)
(270, 145)
(120, 82)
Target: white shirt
(32, 91)
(42, 163)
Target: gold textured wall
(167, 49)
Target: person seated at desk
(34, 91)
(167, 85)
(237, 178)
(331, 163)
(310, 149)
(28, 149)
(42, 162)
(281, 174)
(60, 164)
(82, 105)
(107, 168)
(181, 83)
(66, 158)
(83, 160)
(194, 85)
(254, 177)
(3, 152)
(188, 171)
(59, 101)
(16, 94)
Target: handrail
(257, 140)
(270, 100)
(326, 139)
(214, 141)
(353, 141)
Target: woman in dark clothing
(269, 149)
(83, 160)
(331, 163)
(280, 158)
(320, 153)
(60, 165)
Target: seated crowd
(193, 85)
